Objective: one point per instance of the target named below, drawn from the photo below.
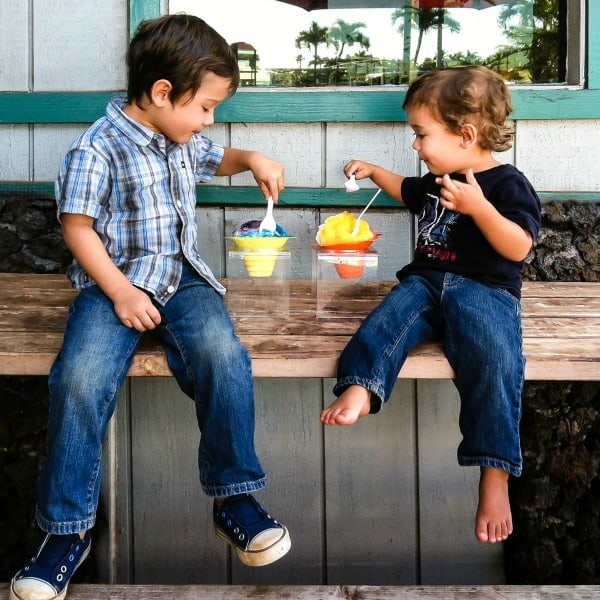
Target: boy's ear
(160, 92)
(469, 134)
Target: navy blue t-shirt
(449, 241)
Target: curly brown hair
(471, 94)
(181, 49)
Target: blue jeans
(210, 365)
(480, 328)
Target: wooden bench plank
(583, 307)
(328, 592)
(561, 328)
(43, 320)
(560, 289)
(581, 328)
(308, 356)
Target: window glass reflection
(279, 44)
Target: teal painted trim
(292, 107)
(555, 104)
(27, 188)
(140, 10)
(290, 197)
(303, 197)
(380, 106)
(585, 197)
(304, 106)
(593, 40)
(324, 198)
(53, 107)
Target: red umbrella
(321, 4)
(458, 3)
(307, 4)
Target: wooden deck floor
(323, 592)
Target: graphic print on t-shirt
(435, 228)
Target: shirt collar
(139, 134)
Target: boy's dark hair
(461, 95)
(181, 49)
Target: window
(392, 41)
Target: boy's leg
(213, 367)
(370, 363)
(84, 381)
(483, 343)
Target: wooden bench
(561, 328)
(561, 323)
(329, 592)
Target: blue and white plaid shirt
(140, 189)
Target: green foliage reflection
(534, 52)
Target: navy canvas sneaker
(258, 539)
(47, 574)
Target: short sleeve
(83, 184)
(208, 156)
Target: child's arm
(269, 173)
(133, 306)
(390, 183)
(506, 237)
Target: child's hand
(269, 174)
(359, 169)
(461, 197)
(388, 181)
(135, 309)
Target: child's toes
(481, 531)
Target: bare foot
(353, 403)
(493, 521)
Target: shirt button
(179, 203)
(171, 289)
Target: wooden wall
(53, 45)
(380, 503)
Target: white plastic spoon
(351, 185)
(268, 223)
(357, 224)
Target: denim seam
(487, 461)
(114, 389)
(63, 527)
(372, 384)
(181, 351)
(376, 373)
(236, 488)
(221, 490)
(368, 384)
(92, 486)
(391, 347)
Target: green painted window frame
(304, 105)
(284, 106)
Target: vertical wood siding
(380, 503)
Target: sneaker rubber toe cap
(266, 548)
(267, 538)
(29, 588)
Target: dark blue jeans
(210, 365)
(480, 328)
